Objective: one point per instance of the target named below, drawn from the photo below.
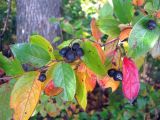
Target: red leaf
(52, 90)
(130, 82)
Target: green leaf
(109, 26)
(11, 67)
(31, 54)
(43, 43)
(106, 10)
(92, 59)
(5, 92)
(141, 40)
(67, 27)
(64, 77)
(123, 10)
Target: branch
(110, 42)
(6, 20)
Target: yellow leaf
(81, 92)
(25, 95)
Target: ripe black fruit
(136, 13)
(63, 51)
(111, 72)
(42, 77)
(70, 56)
(79, 52)
(151, 24)
(75, 46)
(118, 76)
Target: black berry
(136, 13)
(75, 46)
(111, 72)
(7, 53)
(151, 24)
(118, 76)
(70, 56)
(63, 51)
(79, 52)
(42, 77)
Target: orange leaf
(158, 14)
(100, 52)
(108, 82)
(125, 33)
(138, 2)
(90, 80)
(25, 95)
(52, 90)
(95, 30)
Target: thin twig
(110, 42)
(7, 17)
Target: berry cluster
(151, 24)
(117, 75)
(72, 53)
(42, 77)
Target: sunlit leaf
(43, 43)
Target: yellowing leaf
(90, 80)
(95, 30)
(108, 82)
(81, 92)
(25, 95)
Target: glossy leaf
(142, 41)
(95, 30)
(92, 59)
(43, 43)
(130, 82)
(109, 26)
(64, 77)
(11, 67)
(25, 95)
(31, 54)
(123, 10)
